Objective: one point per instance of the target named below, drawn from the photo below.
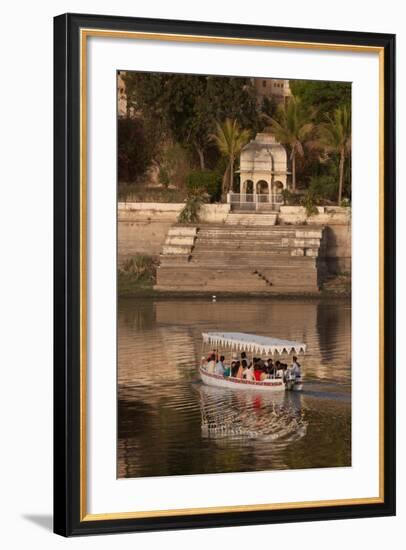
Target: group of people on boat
(256, 370)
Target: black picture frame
(67, 289)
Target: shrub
(190, 212)
(309, 201)
(286, 196)
(205, 181)
(139, 268)
(324, 187)
(163, 177)
(289, 198)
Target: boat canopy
(252, 342)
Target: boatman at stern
(295, 369)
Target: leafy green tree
(186, 107)
(292, 126)
(322, 96)
(135, 149)
(335, 137)
(269, 107)
(230, 139)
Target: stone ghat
(239, 259)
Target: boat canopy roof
(252, 342)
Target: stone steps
(234, 258)
(249, 257)
(251, 247)
(276, 232)
(188, 277)
(240, 242)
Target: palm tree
(230, 139)
(335, 136)
(293, 127)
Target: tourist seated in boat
(270, 368)
(279, 369)
(220, 366)
(240, 370)
(211, 364)
(235, 365)
(237, 371)
(264, 375)
(244, 364)
(258, 369)
(249, 373)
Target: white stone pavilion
(263, 172)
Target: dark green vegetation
(186, 124)
(136, 275)
(205, 182)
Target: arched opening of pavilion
(248, 187)
(262, 187)
(244, 199)
(263, 191)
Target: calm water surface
(169, 423)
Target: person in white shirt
(220, 366)
(249, 373)
(279, 369)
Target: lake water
(169, 423)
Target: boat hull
(274, 385)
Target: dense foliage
(136, 148)
(323, 97)
(185, 108)
(190, 130)
(205, 182)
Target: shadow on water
(169, 423)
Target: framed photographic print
(224, 274)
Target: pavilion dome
(263, 155)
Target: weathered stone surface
(306, 242)
(297, 252)
(182, 231)
(179, 240)
(250, 219)
(309, 233)
(128, 211)
(168, 249)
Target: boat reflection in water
(248, 416)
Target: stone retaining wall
(143, 228)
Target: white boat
(227, 343)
